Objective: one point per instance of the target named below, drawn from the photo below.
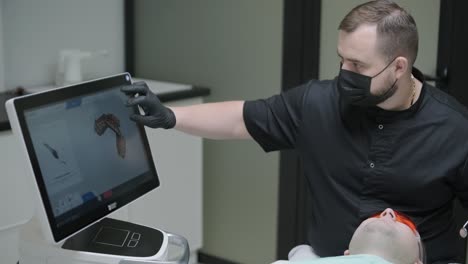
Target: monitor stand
(107, 241)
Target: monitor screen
(87, 156)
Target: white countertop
(157, 87)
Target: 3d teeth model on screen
(109, 120)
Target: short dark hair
(396, 29)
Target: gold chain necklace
(414, 90)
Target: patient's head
(389, 235)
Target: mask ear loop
(384, 68)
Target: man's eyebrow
(350, 59)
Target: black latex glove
(156, 114)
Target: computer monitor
(86, 156)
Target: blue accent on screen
(88, 196)
(73, 103)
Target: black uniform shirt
(359, 161)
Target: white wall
(31, 35)
(35, 31)
(235, 49)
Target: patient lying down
(388, 237)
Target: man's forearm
(222, 120)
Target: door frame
(450, 73)
(301, 46)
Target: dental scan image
(88, 151)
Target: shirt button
(372, 165)
(380, 127)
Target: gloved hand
(156, 114)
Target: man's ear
(346, 252)
(401, 66)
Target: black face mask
(355, 88)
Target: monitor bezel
(22, 104)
